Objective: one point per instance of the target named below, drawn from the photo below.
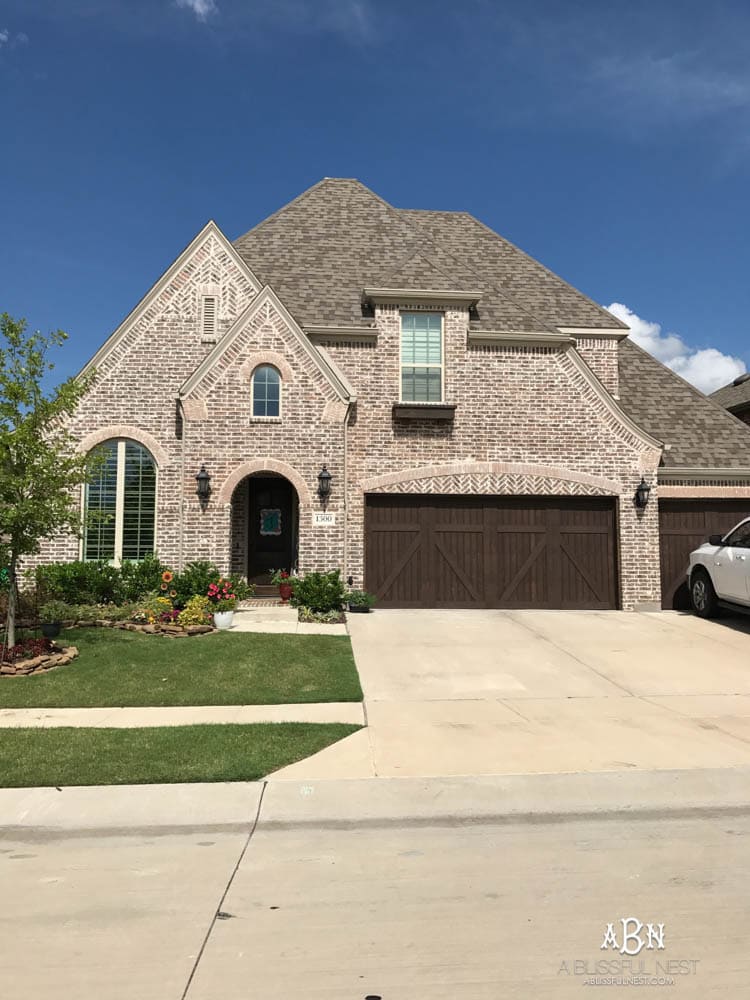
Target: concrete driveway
(498, 692)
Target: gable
(209, 265)
(265, 325)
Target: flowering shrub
(27, 649)
(222, 596)
(197, 611)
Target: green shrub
(194, 579)
(141, 578)
(79, 582)
(197, 611)
(309, 616)
(56, 611)
(320, 592)
(360, 598)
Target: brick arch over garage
(232, 481)
(493, 477)
(148, 441)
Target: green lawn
(117, 668)
(160, 755)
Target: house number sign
(321, 519)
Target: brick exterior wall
(528, 420)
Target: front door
(272, 534)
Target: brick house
(485, 425)
(735, 397)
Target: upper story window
(120, 503)
(421, 357)
(266, 392)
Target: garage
(683, 525)
(424, 551)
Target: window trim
(262, 417)
(401, 366)
(120, 501)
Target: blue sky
(610, 140)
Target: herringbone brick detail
(494, 485)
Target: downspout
(181, 542)
(349, 410)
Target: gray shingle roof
(736, 395)
(700, 433)
(319, 252)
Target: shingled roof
(338, 237)
(698, 432)
(736, 395)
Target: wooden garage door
(683, 525)
(491, 552)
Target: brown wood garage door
(491, 552)
(683, 525)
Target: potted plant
(360, 601)
(52, 615)
(224, 601)
(285, 583)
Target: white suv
(719, 572)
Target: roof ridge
(412, 256)
(616, 322)
(300, 197)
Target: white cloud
(203, 9)
(4, 36)
(706, 368)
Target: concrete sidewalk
(280, 620)
(125, 718)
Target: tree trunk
(10, 623)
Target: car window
(740, 537)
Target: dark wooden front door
(272, 528)
(683, 525)
(491, 552)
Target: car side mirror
(715, 539)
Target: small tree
(39, 465)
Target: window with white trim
(120, 503)
(421, 357)
(266, 391)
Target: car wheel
(703, 595)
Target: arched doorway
(265, 526)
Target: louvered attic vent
(208, 332)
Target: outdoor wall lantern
(203, 487)
(641, 494)
(324, 485)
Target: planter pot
(285, 591)
(359, 609)
(51, 630)
(223, 619)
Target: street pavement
(406, 889)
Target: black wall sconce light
(641, 494)
(324, 485)
(203, 487)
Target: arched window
(266, 392)
(120, 503)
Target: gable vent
(208, 328)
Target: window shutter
(209, 318)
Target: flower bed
(35, 656)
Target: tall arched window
(266, 392)
(120, 503)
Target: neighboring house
(485, 425)
(735, 397)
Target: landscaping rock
(198, 629)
